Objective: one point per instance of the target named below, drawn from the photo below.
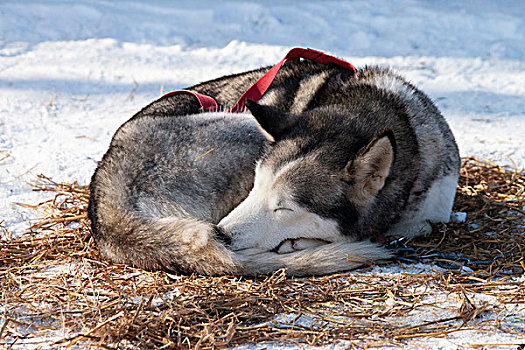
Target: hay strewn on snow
(54, 284)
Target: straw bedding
(56, 291)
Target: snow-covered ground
(72, 71)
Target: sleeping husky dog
(310, 179)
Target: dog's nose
(221, 235)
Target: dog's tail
(322, 260)
(180, 245)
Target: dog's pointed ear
(273, 122)
(367, 173)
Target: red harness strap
(208, 104)
(257, 90)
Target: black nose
(221, 235)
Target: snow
(458, 217)
(71, 72)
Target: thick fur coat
(326, 164)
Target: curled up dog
(322, 168)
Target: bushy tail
(322, 260)
(181, 245)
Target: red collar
(257, 90)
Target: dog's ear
(273, 122)
(367, 173)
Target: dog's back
(163, 184)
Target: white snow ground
(72, 71)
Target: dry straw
(57, 292)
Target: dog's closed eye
(282, 209)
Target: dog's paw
(408, 230)
(285, 247)
(293, 245)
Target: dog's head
(321, 173)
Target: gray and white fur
(324, 166)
